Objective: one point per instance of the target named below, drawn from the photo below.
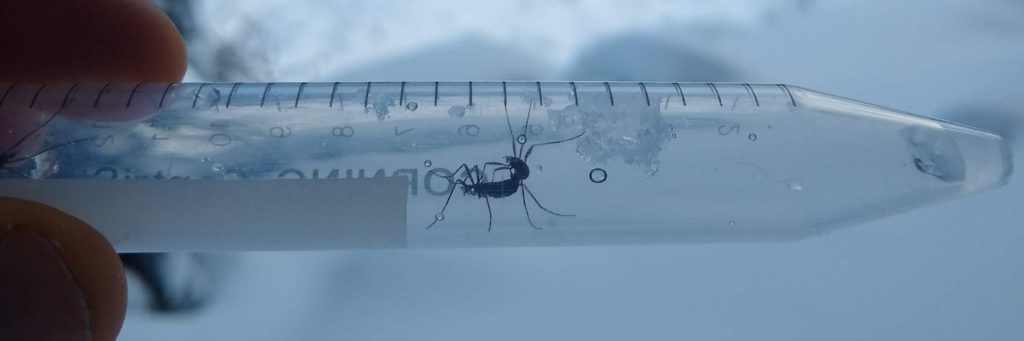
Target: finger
(69, 41)
(66, 276)
(88, 41)
(79, 41)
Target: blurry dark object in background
(175, 281)
(239, 58)
(180, 12)
(644, 58)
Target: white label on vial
(231, 215)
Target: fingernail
(39, 299)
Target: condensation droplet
(217, 167)
(752, 137)
(598, 175)
(521, 139)
(427, 163)
(457, 111)
(439, 216)
(796, 186)
(412, 105)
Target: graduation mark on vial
(474, 181)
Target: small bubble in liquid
(732, 224)
(598, 175)
(427, 163)
(412, 105)
(439, 216)
(218, 167)
(752, 137)
(796, 186)
(674, 135)
(521, 139)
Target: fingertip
(89, 41)
(89, 258)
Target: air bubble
(598, 175)
(732, 224)
(412, 106)
(439, 216)
(674, 135)
(427, 163)
(521, 139)
(752, 137)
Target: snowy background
(953, 271)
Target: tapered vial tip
(987, 160)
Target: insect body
(474, 183)
(518, 171)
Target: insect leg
(452, 191)
(33, 132)
(490, 217)
(530, 150)
(526, 190)
(479, 179)
(526, 127)
(479, 175)
(456, 173)
(527, 209)
(502, 166)
(23, 158)
(510, 133)
(494, 171)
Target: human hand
(59, 278)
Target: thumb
(59, 278)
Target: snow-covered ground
(953, 271)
